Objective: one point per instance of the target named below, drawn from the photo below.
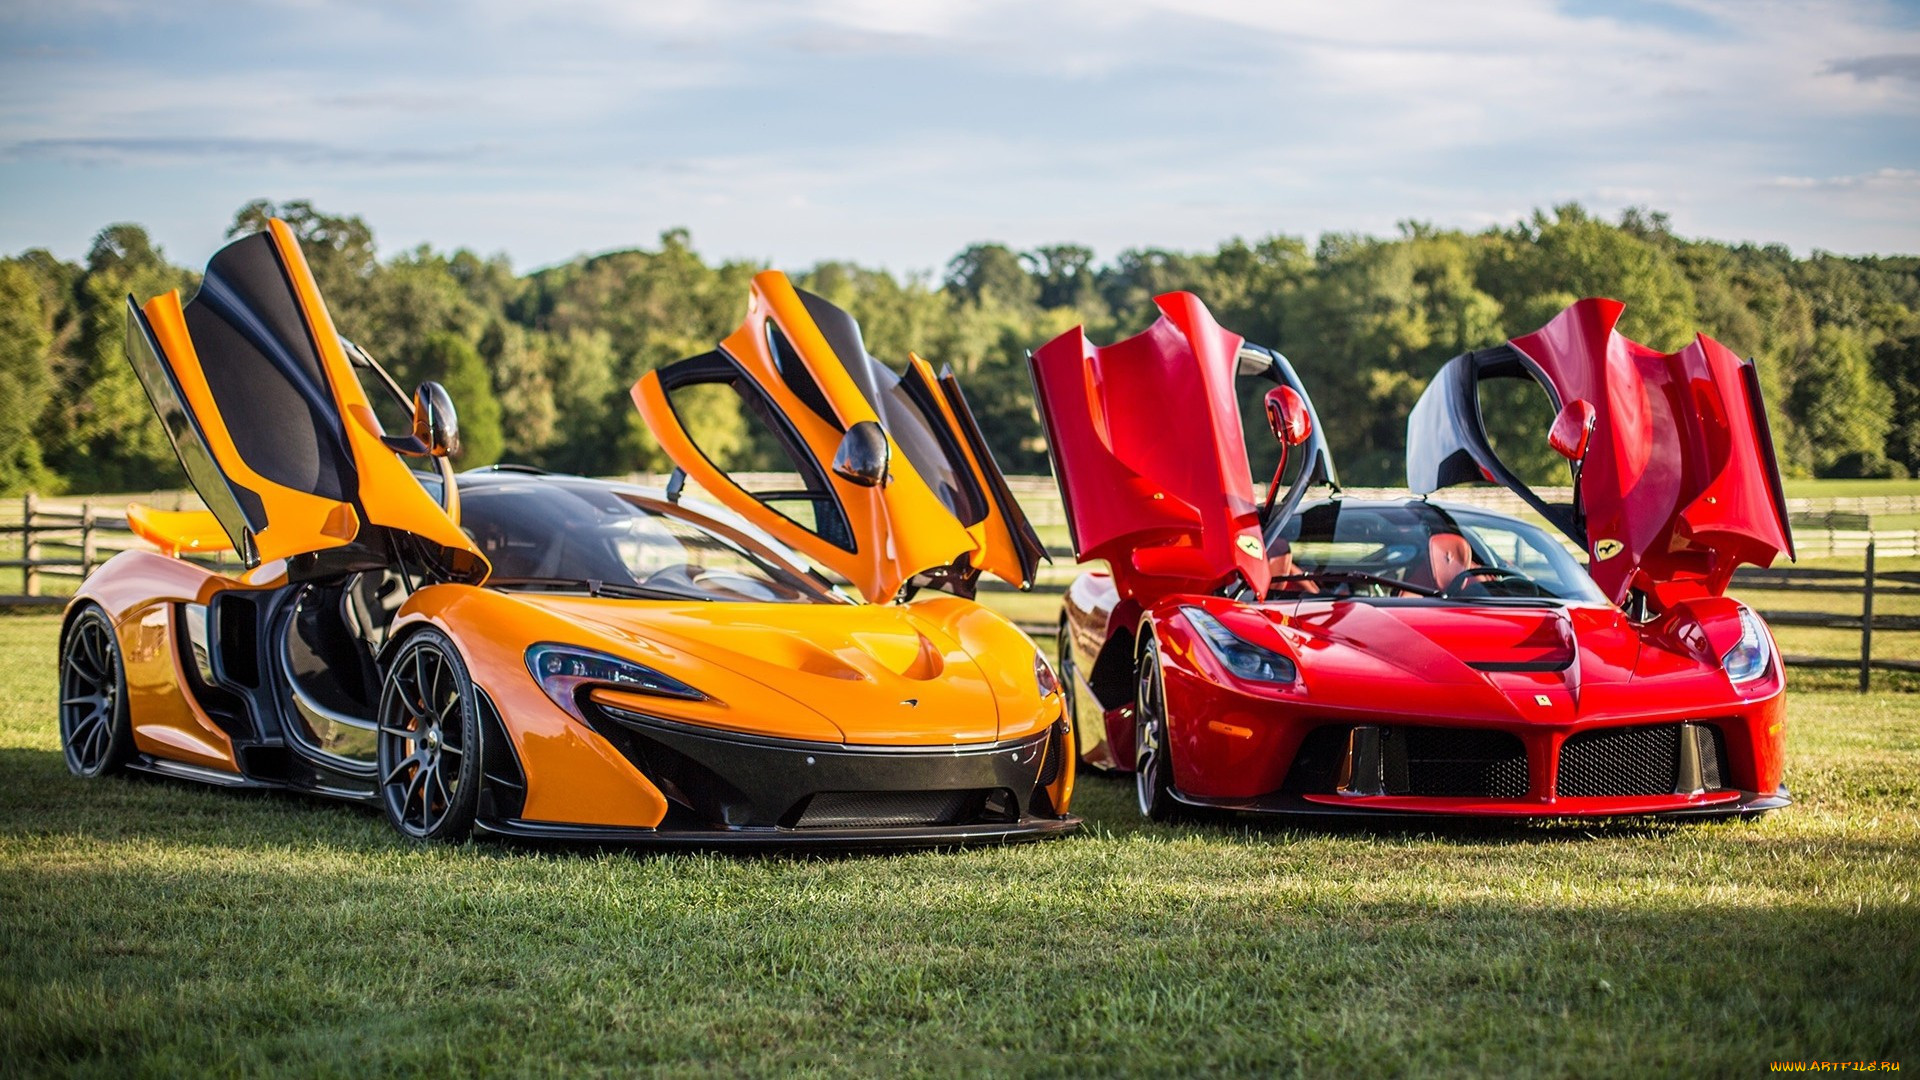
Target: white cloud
(896, 131)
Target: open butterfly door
(894, 481)
(1675, 482)
(255, 390)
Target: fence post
(29, 551)
(1866, 625)
(87, 552)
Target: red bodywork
(1680, 471)
(1159, 484)
(1690, 507)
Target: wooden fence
(68, 539)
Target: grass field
(154, 927)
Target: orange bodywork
(900, 527)
(254, 689)
(175, 531)
(299, 522)
(828, 673)
(139, 592)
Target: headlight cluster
(562, 670)
(1752, 655)
(1043, 676)
(1242, 657)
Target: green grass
(156, 927)
(1835, 489)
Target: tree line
(539, 364)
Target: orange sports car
(545, 656)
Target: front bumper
(786, 839)
(728, 789)
(1721, 804)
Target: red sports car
(1260, 651)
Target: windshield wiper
(597, 588)
(1360, 577)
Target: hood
(1148, 448)
(1545, 664)
(920, 673)
(1677, 485)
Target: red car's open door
(1675, 482)
(1148, 448)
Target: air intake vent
(889, 809)
(1456, 762)
(1640, 761)
(1433, 762)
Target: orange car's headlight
(564, 671)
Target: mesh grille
(1621, 761)
(881, 809)
(1456, 762)
(1056, 754)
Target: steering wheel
(1497, 573)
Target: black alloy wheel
(1152, 757)
(428, 752)
(95, 731)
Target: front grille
(1056, 757)
(1456, 762)
(884, 809)
(1635, 760)
(1438, 762)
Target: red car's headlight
(1252, 662)
(1752, 655)
(1043, 676)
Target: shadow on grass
(384, 966)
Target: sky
(895, 132)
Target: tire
(428, 750)
(1152, 750)
(96, 732)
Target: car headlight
(564, 670)
(1043, 676)
(1752, 655)
(1242, 657)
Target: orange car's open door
(254, 388)
(895, 479)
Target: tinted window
(1410, 543)
(259, 361)
(571, 530)
(910, 417)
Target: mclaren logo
(911, 703)
(1607, 549)
(1251, 545)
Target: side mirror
(863, 456)
(434, 423)
(1287, 415)
(1572, 429)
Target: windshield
(1340, 548)
(553, 532)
